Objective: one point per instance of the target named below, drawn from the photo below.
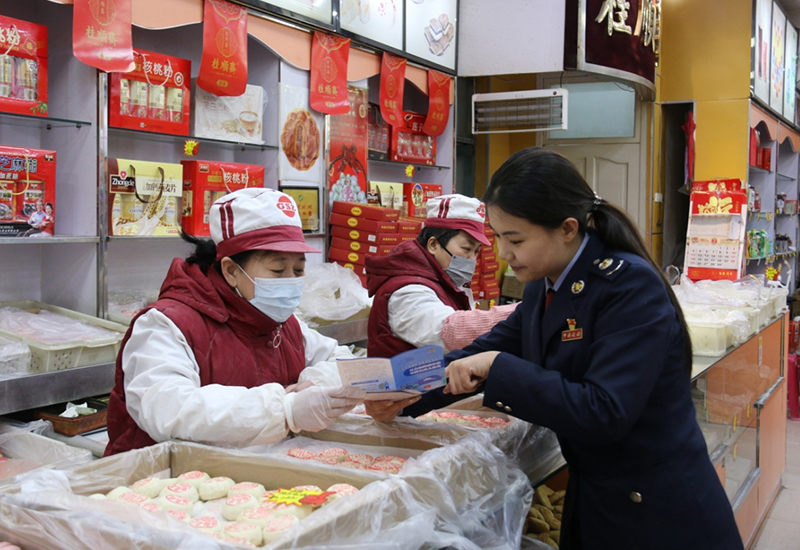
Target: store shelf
(784, 178)
(172, 138)
(381, 159)
(47, 240)
(40, 390)
(144, 238)
(48, 123)
(758, 170)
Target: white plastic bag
(332, 293)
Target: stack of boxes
(485, 285)
(361, 230)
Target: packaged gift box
(23, 67)
(154, 96)
(205, 181)
(27, 192)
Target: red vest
(231, 341)
(408, 264)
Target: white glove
(315, 408)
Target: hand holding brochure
(405, 375)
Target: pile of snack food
(244, 512)
(494, 422)
(336, 456)
(544, 518)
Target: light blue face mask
(460, 269)
(277, 298)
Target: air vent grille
(527, 111)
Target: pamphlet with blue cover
(405, 375)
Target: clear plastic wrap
(331, 293)
(15, 357)
(50, 328)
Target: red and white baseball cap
(457, 212)
(256, 218)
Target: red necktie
(549, 298)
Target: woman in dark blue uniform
(604, 361)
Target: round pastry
(195, 478)
(385, 467)
(149, 486)
(206, 524)
(472, 420)
(181, 515)
(216, 487)
(339, 490)
(150, 506)
(391, 458)
(259, 515)
(353, 465)
(254, 489)
(132, 498)
(363, 459)
(175, 502)
(431, 416)
(312, 488)
(184, 490)
(302, 454)
(334, 452)
(447, 416)
(277, 527)
(114, 494)
(495, 422)
(248, 531)
(329, 461)
(300, 512)
(99, 496)
(237, 504)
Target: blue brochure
(405, 375)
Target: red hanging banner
(438, 103)
(101, 34)
(393, 80)
(329, 57)
(223, 67)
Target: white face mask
(277, 298)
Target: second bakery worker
(220, 358)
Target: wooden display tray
(79, 425)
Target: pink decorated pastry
(302, 454)
(340, 490)
(259, 515)
(248, 531)
(185, 490)
(495, 422)
(238, 503)
(312, 488)
(391, 458)
(175, 502)
(385, 467)
(149, 486)
(194, 478)
(328, 461)
(277, 527)
(181, 515)
(431, 416)
(206, 524)
(132, 498)
(363, 459)
(473, 419)
(254, 489)
(447, 416)
(216, 487)
(334, 452)
(150, 506)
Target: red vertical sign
(439, 103)
(223, 67)
(101, 34)
(329, 57)
(393, 81)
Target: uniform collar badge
(606, 263)
(577, 287)
(572, 333)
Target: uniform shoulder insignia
(608, 267)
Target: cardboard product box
(27, 192)
(144, 198)
(26, 451)
(378, 133)
(363, 236)
(367, 211)
(386, 193)
(415, 197)
(205, 181)
(58, 520)
(372, 226)
(410, 144)
(154, 96)
(230, 118)
(512, 287)
(347, 256)
(23, 67)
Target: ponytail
(544, 188)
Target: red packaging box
(154, 96)
(410, 143)
(366, 237)
(415, 197)
(205, 181)
(368, 211)
(490, 267)
(359, 270)
(374, 226)
(408, 225)
(384, 249)
(27, 192)
(354, 246)
(487, 257)
(23, 67)
(346, 256)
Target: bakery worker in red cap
(220, 358)
(421, 288)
